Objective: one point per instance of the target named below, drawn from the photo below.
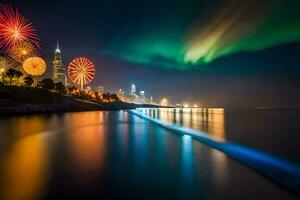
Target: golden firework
(81, 71)
(23, 50)
(34, 66)
(5, 63)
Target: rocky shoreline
(22, 101)
(15, 108)
(8, 108)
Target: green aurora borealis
(189, 34)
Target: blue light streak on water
(188, 167)
(282, 171)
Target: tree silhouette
(47, 84)
(10, 73)
(72, 88)
(18, 74)
(107, 97)
(60, 88)
(28, 81)
(114, 98)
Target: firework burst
(23, 50)
(81, 71)
(15, 28)
(34, 66)
(6, 62)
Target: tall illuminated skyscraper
(142, 97)
(151, 100)
(59, 72)
(133, 89)
(121, 95)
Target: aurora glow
(189, 35)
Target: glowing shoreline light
(81, 71)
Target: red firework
(81, 71)
(15, 28)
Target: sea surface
(116, 155)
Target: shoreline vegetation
(17, 100)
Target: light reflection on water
(26, 168)
(115, 154)
(123, 133)
(187, 165)
(87, 147)
(209, 120)
(187, 156)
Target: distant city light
(88, 88)
(186, 105)
(164, 102)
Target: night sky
(236, 53)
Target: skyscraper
(142, 97)
(121, 94)
(133, 89)
(151, 100)
(59, 72)
(100, 89)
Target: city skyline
(58, 71)
(254, 68)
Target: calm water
(108, 155)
